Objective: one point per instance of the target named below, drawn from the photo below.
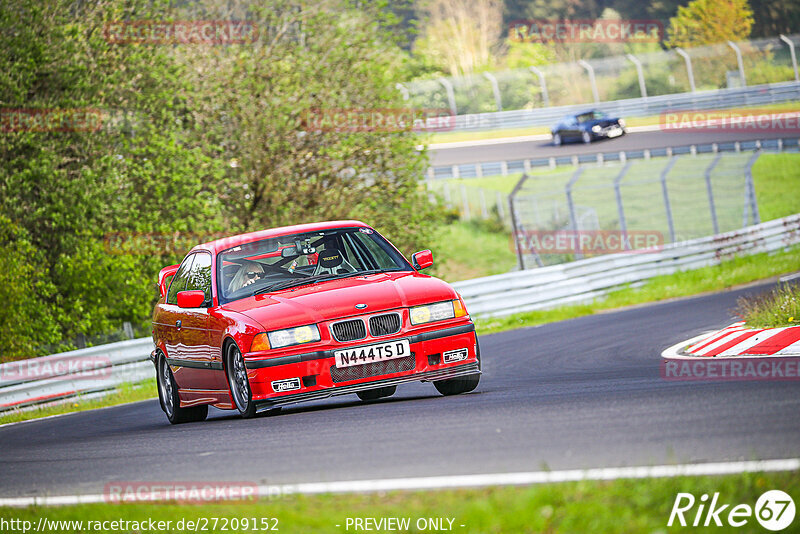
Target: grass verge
(620, 506)
(775, 308)
(126, 393)
(458, 137)
(736, 271)
(465, 250)
(776, 178)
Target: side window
(200, 274)
(179, 280)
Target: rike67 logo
(774, 511)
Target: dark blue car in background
(586, 127)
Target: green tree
(195, 140)
(704, 22)
(27, 320)
(261, 105)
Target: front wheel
(586, 137)
(377, 393)
(238, 382)
(170, 401)
(457, 386)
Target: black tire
(556, 139)
(377, 393)
(457, 386)
(238, 382)
(170, 401)
(586, 137)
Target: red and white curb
(739, 341)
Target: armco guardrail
(585, 280)
(79, 372)
(757, 95)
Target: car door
(169, 315)
(572, 129)
(199, 359)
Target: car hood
(336, 299)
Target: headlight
(291, 336)
(596, 128)
(437, 312)
(621, 123)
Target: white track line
(676, 351)
(789, 277)
(469, 481)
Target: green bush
(195, 141)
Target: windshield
(299, 259)
(591, 115)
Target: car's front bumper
(313, 369)
(609, 132)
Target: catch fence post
(665, 193)
(710, 192)
(543, 85)
(572, 215)
(623, 226)
(514, 222)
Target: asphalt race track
(631, 141)
(575, 394)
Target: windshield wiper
(286, 285)
(314, 279)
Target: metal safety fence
(648, 83)
(656, 201)
(84, 372)
(482, 190)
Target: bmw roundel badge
(360, 306)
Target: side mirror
(422, 260)
(163, 278)
(191, 299)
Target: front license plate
(616, 132)
(372, 353)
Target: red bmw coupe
(301, 313)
